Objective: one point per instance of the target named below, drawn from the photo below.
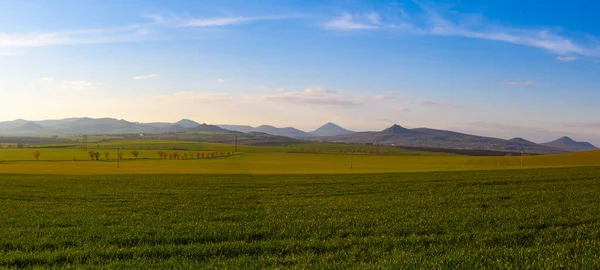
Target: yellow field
(279, 163)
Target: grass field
(483, 219)
(311, 205)
(60, 161)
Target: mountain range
(330, 132)
(433, 138)
(329, 129)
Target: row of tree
(163, 155)
(197, 155)
(96, 155)
(18, 145)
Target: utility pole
(521, 159)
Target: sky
(496, 68)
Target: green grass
(471, 220)
(60, 161)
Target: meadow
(539, 218)
(266, 160)
(307, 205)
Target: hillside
(271, 130)
(426, 137)
(568, 144)
(330, 129)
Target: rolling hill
(330, 129)
(426, 137)
(271, 130)
(568, 144)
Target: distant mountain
(29, 127)
(186, 123)
(7, 125)
(207, 128)
(271, 130)
(330, 129)
(568, 144)
(397, 130)
(238, 128)
(426, 137)
(286, 132)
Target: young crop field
(541, 218)
(76, 161)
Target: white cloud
(178, 21)
(316, 96)
(75, 37)
(454, 24)
(521, 83)
(149, 76)
(566, 58)
(221, 80)
(47, 80)
(194, 97)
(79, 85)
(355, 22)
(8, 53)
(68, 85)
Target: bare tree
(135, 153)
(106, 154)
(36, 154)
(91, 154)
(97, 155)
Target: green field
(310, 205)
(487, 219)
(75, 161)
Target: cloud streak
(75, 37)
(312, 96)
(145, 77)
(429, 21)
(178, 21)
(349, 21)
(566, 58)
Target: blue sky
(498, 68)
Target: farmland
(306, 205)
(499, 219)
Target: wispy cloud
(388, 96)
(68, 85)
(144, 77)
(79, 85)
(521, 83)
(566, 58)
(349, 21)
(425, 103)
(8, 53)
(74, 37)
(593, 125)
(317, 96)
(433, 22)
(194, 97)
(429, 103)
(402, 110)
(174, 20)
